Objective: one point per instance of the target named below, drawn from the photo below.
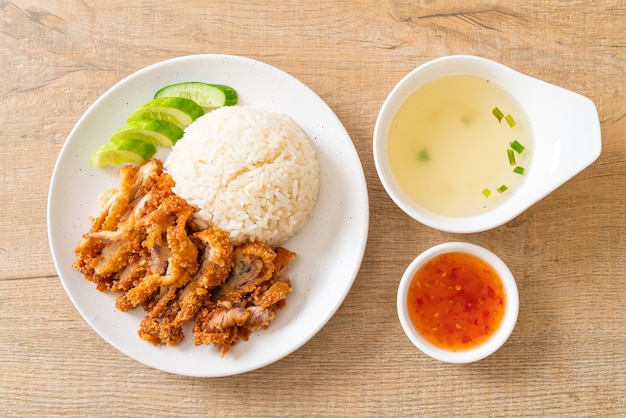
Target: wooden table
(566, 356)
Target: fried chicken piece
(164, 326)
(273, 294)
(226, 316)
(255, 290)
(157, 326)
(160, 331)
(225, 326)
(112, 240)
(182, 262)
(132, 274)
(253, 264)
(276, 289)
(113, 258)
(146, 244)
(219, 326)
(260, 317)
(119, 202)
(114, 203)
(184, 253)
(216, 264)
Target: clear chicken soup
(459, 146)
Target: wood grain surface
(566, 355)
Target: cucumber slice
(159, 132)
(134, 151)
(178, 110)
(209, 96)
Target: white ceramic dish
(510, 314)
(330, 248)
(565, 127)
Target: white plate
(330, 248)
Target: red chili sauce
(456, 301)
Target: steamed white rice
(251, 172)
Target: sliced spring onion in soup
(498, 114)
(423, 155)
(517, 147)
(509, 119)
(511, 155)
(514, 147)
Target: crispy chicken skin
(145, 246)
(255, 289)
(217, 260)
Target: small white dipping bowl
(564, 125)
(497, 339)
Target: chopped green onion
(511, 155)
(519, 170)
(423, 155)
(517, 146)
(509, 120)
(502, 189)
(486, 192)
(498, 114)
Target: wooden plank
(568, 252)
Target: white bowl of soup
(464, 144)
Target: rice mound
(251, 172)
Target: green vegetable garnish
(160, 132)
(498, 114)
(129, 150)
(502, 189)
(161, 121)
(509, 120)
(423, 155)
(179, 110)
(511, 155)
(209, 96)
(517, 146)
(519, 170)
(486, 192)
